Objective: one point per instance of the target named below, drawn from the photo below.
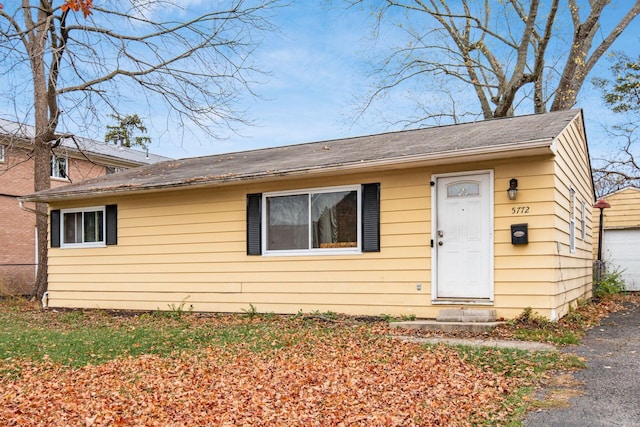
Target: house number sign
(519, 210)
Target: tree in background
(622, 94)
(492, 57)
(124, 132)
(73, 61)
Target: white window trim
(583, 216)
(100, 244)
(66, 167)
(2, 151)
(572, 220)
(312, 251)
(115, 169)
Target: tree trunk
(41, 182)
(41, 142)
(580, 61)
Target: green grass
(76, 338)
(518, 363)
(555, 336)
(526, 366)
(530, 326)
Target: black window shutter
(254, 229)
(371, 217)
(55, 228)
(112, 224)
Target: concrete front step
(438, 326)
(478, 342)
(466, 315)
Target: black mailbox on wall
(519, 234)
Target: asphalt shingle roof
(394, 147)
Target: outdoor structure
(73, 161)
(621, 235)
(487, 215)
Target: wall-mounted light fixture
(512, 191)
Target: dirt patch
(556, 391)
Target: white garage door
(621, 248)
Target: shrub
(611, 283)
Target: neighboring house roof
(621, 190)
(491, 139)
(87, 146)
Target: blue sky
(315, 70)
(317, 73)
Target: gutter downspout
(24, 208)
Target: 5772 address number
(519, 210)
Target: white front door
(463, 237)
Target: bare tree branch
(81, 68)
(509, 53)
(580, 61)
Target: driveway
(611, 383)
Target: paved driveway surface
(611, 380)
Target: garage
(621, 250)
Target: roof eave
(84, 154)
(538, 147)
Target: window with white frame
(83, 227)
(583, 219)
(113, 169)
(318, 220)
(59, 167)
(1, 153)
(572, 220)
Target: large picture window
(314, 220)
(83, 227)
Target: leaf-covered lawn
(191, 370)
(345, 381)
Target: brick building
(75, 159)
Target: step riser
(466, 315)
(437, 326)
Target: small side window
(1, 153)
(83, 227)
(572, 220)
(113, 169)
(95, 226)
(59, 167)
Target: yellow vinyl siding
(192, 243)
(623, 213)
(190, 246)
(573, 270)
